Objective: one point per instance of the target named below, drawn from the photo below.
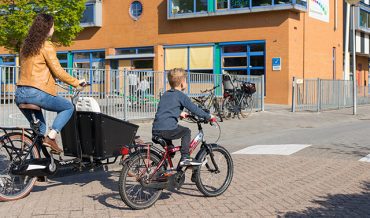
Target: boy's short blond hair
(176, 76)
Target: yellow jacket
(40, 71)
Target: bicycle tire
(248, 104)
(25, 190)
(203, 188)
(216, 105)
(126, 173)
(227, 108)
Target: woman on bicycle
(39, 68)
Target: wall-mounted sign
(319, 9)
(276, 64)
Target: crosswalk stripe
(281, 149)
(365, 159)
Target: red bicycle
(148, 169)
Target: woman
(39, 68)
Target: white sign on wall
(319, 9)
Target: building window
(91, 64)
(131, 51)
(196, 60)
(239, 4)
(235, 4)
(88, 16)
(235, 62)
(8, 60)
(136, 9)
(143, 64)
(222, 4)
(7, 74)
(256, 3)
(363, 19)
(92, 16)
(243, 58)
(189, 6)
(201, 5)
(63, 59)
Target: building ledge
(291, 7)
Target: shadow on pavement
(354, 149)
(339, 205)
(107, 179)
(114, 201)
(68, 176)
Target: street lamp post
(353, 4)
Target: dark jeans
(180, 132)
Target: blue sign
(276, 64)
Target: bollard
(293, 95)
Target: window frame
(361, 20)
(132, 10)
(248, 54)
(137, 50)
(194, 9)
(188, 46)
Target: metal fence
(122, 94)
(319, 95)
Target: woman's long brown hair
(37, 35)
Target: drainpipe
(346, 43)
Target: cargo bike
(91, 138)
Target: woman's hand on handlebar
(82, 84)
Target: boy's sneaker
(188, 161)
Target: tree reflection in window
(222, 4)
(239, 3)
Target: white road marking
(283, 149)
(365, 159)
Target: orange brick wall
(304, 44)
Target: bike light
(125, 151)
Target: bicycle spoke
(12, 152)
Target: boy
(170, 109)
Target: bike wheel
(248, 104)
(217, 108)
(12, 150)
(131, 179)
(228, 106)
(212, 182)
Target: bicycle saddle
(161, 141)
(30, 107)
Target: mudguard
(206, 147)
(142, 150)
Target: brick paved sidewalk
(325, 179)
(268, 186)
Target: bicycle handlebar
(76, 90)
(210, 90)
(199, 119)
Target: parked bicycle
(238, 99)
(148, 170)
(209, 102)
(89, 137)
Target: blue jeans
(30, 95)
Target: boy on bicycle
(170, 109)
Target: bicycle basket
(249, 88)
